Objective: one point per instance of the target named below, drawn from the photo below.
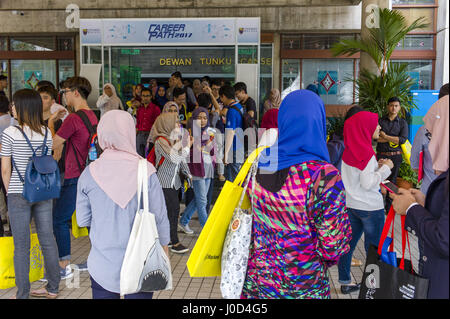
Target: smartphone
(391, 187)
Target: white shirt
(362, 188)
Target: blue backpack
(42, 179)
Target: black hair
(228, 91)
(443, 91)
(81, 84)
(45, 83)
(48, 90)
(394, 99)
(178, 91)
(3, 77)
(177, 74)
(204, 100)
(4, 104)
(144, 89)
(352, 111)
(28, 104)
(207, 79)
(216, 82)
(240, 86)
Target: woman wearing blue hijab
(160, 97)
(300, 224)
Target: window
(27, 73)
(416, 42)
(332, 77)
(412, 14)
(292, 42)
(323, 41)
(3, 67)
(421, 71)
(33, 44)
(66, 69)
(290, 76)
(3, 44)
(65, 44)
(410, 2)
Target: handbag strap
(240, 178)
(387, 226)
(405, 238)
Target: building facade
(39, 39)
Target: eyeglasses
(63, 91)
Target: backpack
(151, 157)
(93, 139)
(250, 126)
(42, 179)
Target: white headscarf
(107, 103)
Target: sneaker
(179, 249)
(66, 273)
(185, 229)
(82, 266)
(44, 279)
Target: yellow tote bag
(78, 231)
(205, 258)
(406, 152)
(7, 274)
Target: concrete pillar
(369, 20)
(276, 60)
(442, 41)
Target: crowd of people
(312, 200)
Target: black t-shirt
(2, 93)
(398, 127)
(250, 105)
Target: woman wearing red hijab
(362, 175)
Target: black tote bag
(383, 281)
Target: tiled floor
(186, 287)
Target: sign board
(199, 31)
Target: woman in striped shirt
(171, 159)
(27, 109)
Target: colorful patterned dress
(298, 233)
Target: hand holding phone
(391, 187)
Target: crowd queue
(313, 200)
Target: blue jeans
(98, 292)
(232, 169)
(369, 223)
(62, 216)
(201, 188)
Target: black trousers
(173, 212)
(397, 160)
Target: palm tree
(373, 90)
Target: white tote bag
(236, 247)
(145, 267)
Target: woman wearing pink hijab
(427, 215)
(107, 203)
(273, 101)
(362, 175)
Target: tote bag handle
(143, 185)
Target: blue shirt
(111, 226)
(235, 121)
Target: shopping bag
(145, 267)
(7, 274)
(420, 171)
(76, 230)
(383, 281)
(406, 152)
(236, 247)
(205, 258)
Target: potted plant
(407, 178)
(373, 90)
